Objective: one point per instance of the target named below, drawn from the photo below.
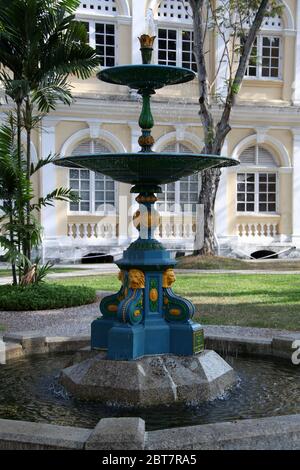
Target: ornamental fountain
(145, 347)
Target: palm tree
(41, 45)
(16, 191)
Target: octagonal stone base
(151, 380)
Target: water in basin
(29, 391)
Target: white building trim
(296, 189)
(138, 28)
(88, 133)
(176, 136)
(288, 19)
(221, 205)
(296, 84)
(123, 9)
(256, 139)
(48, 182)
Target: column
(132, 204)
(222, 75)
(296, 188)
(296, 85)
(221, 205)
(138, 28)
(48, 184)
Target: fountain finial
(146, 42)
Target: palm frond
(59, 194)
(43, 162)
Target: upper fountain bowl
(147, 168)
(147, 76)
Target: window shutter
(91, 147)
(171, 148)
(265, 158)
(83, 149)
(100, 147)
(248, 157)
(184, 149)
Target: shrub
(44, 297)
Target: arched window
(266, 55)
(102, 30)
(175, 34)
(257, 185)
(182, 195)
(96, 191)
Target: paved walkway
(79, 271)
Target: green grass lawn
(269, 301)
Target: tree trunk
(11, 236)
(20, 194)
(207, 197)
(215, 133)
(28, 163)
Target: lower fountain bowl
(149, 168)
(150, 381)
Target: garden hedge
(44, 297)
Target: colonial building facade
(258, 203)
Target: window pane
(110, 185)
(105, 43)
(74, 184)
(110, 29)
(74, 206)
(272, 187)
(74, 173)
(262, 187)
(167, 46)
(263, 197)
(84, 206)
(267, 192)
(99, 185)
(272, 197)
(262, 207)
(85, 185)
(85, 174)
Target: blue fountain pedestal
(146, 317)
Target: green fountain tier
(146, 168)
(146, 76)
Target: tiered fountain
(146, 349)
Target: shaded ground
(218, 262)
